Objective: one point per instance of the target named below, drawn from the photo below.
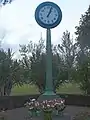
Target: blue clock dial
(48, 15)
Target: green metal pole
(49, 80)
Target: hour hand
(49, 12)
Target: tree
(83, 30)
(5, 63)
(4, 2)
(67, 49)
(33, 57)
(83, 53)
(11, 72)
(82, 70)
(82, 75)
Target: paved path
(20, 113)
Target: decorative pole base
(48, 95)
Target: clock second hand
(49, 12)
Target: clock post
(48, 20)
(49, 80)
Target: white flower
(48, 105)
(31, 103)
(43, 101)
(52, 106)
(33, 100)
(61, 101)
(43, 106)
(31, 108)
(56, 103)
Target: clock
(48, 15)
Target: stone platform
(20, 113)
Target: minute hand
(49, 12)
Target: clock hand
(49, 12)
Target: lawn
(32, 89)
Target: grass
(32, 89)
(25, 89)
(70, 89)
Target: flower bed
(49, 108)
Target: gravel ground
(20, 113)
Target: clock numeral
(42, 10)
(52, 21)
(48, 21)
(55, 14)
(45, 8)
(42, 18)
(54, 18)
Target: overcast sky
(18, 23)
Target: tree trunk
(2, 91)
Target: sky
(18, 25)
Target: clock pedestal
(49, 89)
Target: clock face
(48, 15)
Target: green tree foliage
(33, 57)
(18, 73)
(3, 69)
(5, 66)
(82, 71)
(67, 49)
(83, 30)
(11, 71)
(82, 75)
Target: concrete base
(48, 95)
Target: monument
(48, 15)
